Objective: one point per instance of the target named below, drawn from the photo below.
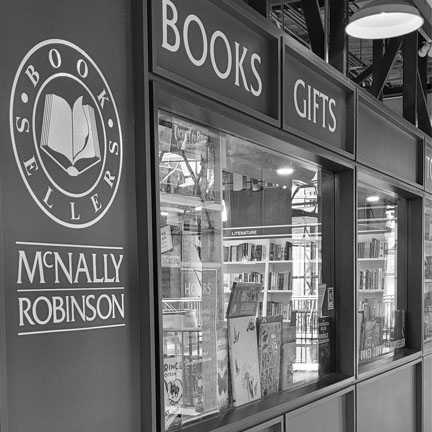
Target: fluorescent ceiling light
(384, 19)
(285, 171)
(373, 198)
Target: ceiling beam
(338, 39)
(410, 71)
(314, 25)
(260, 6)
(382, 68)
(365, 74)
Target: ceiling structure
(388, 69)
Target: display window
(381, 320)
(427, 301)
(245, 310)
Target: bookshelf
(427, 286)
(380, 324)
(287, 267)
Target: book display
(241, 271)
(427, 301)
(380, 324)
(269, 353)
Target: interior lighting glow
(384, 19)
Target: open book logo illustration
(64, 160)
(69, 135)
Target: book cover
(325, 340)
(222, 370)
(173, 389)
(288, 355)
(243, 360)
(244, 299)
(69, 135)
(269, 353)
(193, 383)
(399, 328)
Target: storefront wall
(70, 292)
(68, 286)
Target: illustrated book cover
(243, 357)
(288, 355)
(244, 299)
(269, 353)
(173, 389)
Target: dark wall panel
(427, 393)
(387, 403)
(330, 415)
(384, 144)
(68, 219)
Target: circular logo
(66, 133)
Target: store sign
(317, 106)
(257, 232)
(65, 133)
(208, 47)
(62, 288)
(428, 166)
(66, 138)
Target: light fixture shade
(384, 19)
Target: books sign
(66, 133)
(204, 46)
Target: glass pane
(241, 271)
(272, 236)
(381, 326)
(428, 274)
(190, 223)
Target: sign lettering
(227, 62)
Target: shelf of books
(380, 326)
(285, 267)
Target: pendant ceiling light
(384, 19)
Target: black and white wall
(68, 280)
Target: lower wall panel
(333, 414)
(427, 394)
(387, 402)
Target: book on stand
(243, 299)
(288, 354)
(173, 389)
(325, 347)
(243, 358)
(269, 353)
